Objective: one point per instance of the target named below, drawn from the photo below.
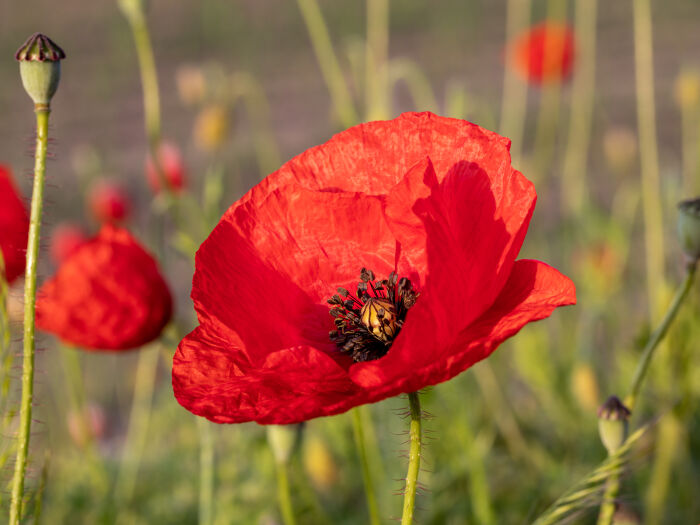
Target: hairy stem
(414, 453)
(659, 334)
(359, 434)
(206, 472)
(25, 415)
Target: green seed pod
(689, 228)
(283, 440)
(612, 424)
(40, 68)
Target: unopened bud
(319, 463)
(689, 228)
(133, 9)
(211, 128)
(613, 424)
(40, 68)
(625, 515)
(687, 89)
(283, 440)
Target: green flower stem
(328, 61)
(514, 102)
(359, 434)
(416, 80)
(206, 472)
(376, 60)
(658, 335)
(246, 87)
(25, 414)
(139, 420)
(607, 508)
(583, 93)
(646, 110)
(414, 453)
(283, 493)
(549, 111)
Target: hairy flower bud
(612, 423)
(689, 228)
(40, 68)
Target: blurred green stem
(651, 200)
(366, 473)
(283, 493)
(245, 86)
(206, 472)
(138, 423)
(25, 415)
(376, 61)
(514, 102)
(658, 335)
(327, 60)
(417, 82)
(414, 454)
(549, 111)
(607, 507)
(574, 191)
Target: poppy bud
(40, 67)
(625, 515)
(65, 239)
(283, 439)
(191, 85)
(687, 89)
(108, 202)
(620, 148)
(379, 316)
(319, 463)
(85, 426)
(689, 228)
(613, 423)
(132, 9)
(211, 128)
(170, 161)
(584, 386)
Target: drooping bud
(40, 68)
(283, 439)
(689, 228)
(687, 89)
(625, 515)
(132, 9)
(173, 168)
(613, 419)
(319, 463)
(211, 128)
(379, 317)
(108, 202)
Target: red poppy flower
(108, 202)
(14, 227)
(432, 204)
(544, 53)
(172, 165)
(65, 240)
(109, 294)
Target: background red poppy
(14, 226)
(109, 294)
(544, 53)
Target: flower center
(368, 322)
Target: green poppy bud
(40, 68)
(612, 424)
(283, 440)
(689, 228)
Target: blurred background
(510, 434)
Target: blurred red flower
(109, 295)
(426, 197)
(66, 238)
(544, 53)
(172, 165)
(14, 227)
(108, 202)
